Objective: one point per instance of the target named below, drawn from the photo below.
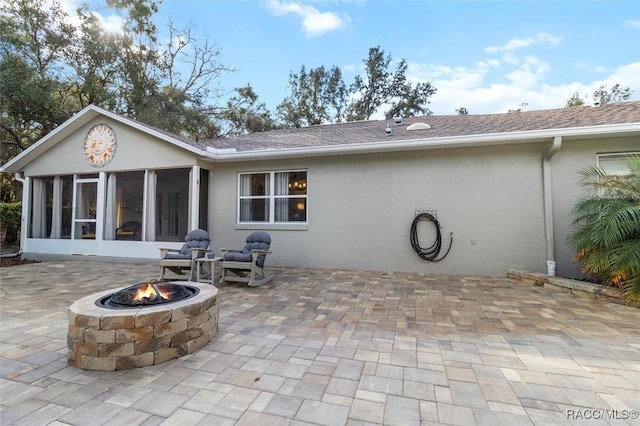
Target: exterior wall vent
(419, 126)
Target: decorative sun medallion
(100, 145)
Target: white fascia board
(430, 143)
(218, 151)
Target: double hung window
(272, 197)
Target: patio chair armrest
(195, 252)
(225, 251)
(256, 252)
(165, 251)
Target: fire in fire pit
(147, 294)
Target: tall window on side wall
(272, 197)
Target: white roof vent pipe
(388, 129)
(419, 126)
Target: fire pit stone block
(100, 338)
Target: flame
(148, 292)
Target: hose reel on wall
(429, 253)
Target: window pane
(203, 215)
(291, 183)
(254, 210)
(128, 202)
(254, 184)
(172, 204)
(86, 200)
(86, 230)
(67, 206)
(41, 189)
(614, 164)
(291, 210)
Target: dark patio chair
(182, 261)
(247, 265)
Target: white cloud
(632, 23)
(519, 43)
(314, 22)
(111, 23)
(489, 97)
(349, 69)
(494, 86)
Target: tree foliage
(523, 105)
(316, 96)
(244, 114)
(33, 43)
(575, 101)
(615, 94)
(383, 86)
(601, 96)
(50, 69)
(607, 235)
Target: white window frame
(621, 157)
(271, 198)
(620, 160)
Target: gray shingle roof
(441, 126)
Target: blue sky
(487, 56)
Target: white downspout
(548, 203)
(25, 208)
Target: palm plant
(607, 233)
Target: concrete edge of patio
(580, 288)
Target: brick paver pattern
(331, 347)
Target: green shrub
(607, 234)
(10, 213)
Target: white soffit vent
(419, 126)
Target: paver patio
(331, 347)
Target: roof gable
(75, 123)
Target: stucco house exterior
(331, 196)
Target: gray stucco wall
(361, 207)
(573, 156)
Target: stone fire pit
(101, 338)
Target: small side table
(211, 261)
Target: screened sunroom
(110, 188)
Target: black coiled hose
(431, 253)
